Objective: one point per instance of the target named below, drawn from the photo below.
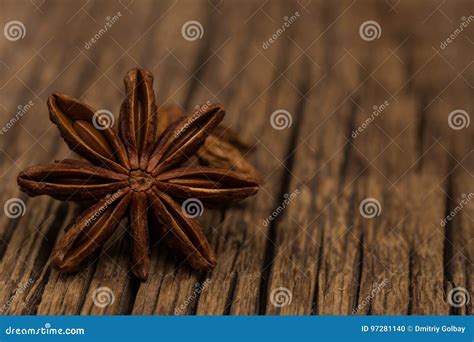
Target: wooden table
(369, 124)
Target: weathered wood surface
(330, 258)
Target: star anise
(136, 171)
(223, 148)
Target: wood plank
(40, 225)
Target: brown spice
(223, 148)
(136, 172)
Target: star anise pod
(223, 148)
(134, 171)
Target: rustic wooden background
(330, 258)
